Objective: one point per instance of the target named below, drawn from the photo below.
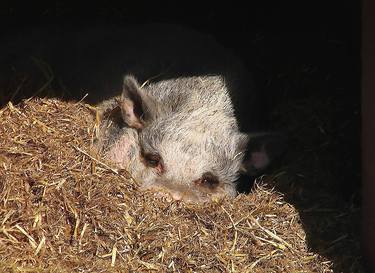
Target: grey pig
(178, 136)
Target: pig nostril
(176, 196)
(209, 180)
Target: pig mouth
(184, 193)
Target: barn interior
(305, 61)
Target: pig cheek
(122, 153)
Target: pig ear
(262, 150)
(131, 103)
(242, 142)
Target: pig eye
(152, 160)
(209, 180)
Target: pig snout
(180, 191)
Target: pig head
(179, 136)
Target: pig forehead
(201, 124)
(186, 165)
(192, 143)
(197, 156)
(177, 159)
(204, 146)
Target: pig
(179, 136)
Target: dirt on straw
(64, 210)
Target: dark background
(305, 58)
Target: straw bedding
(63, 209)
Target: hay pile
(61, 210)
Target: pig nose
(176, 195)
(170, 193)
(165, 192)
